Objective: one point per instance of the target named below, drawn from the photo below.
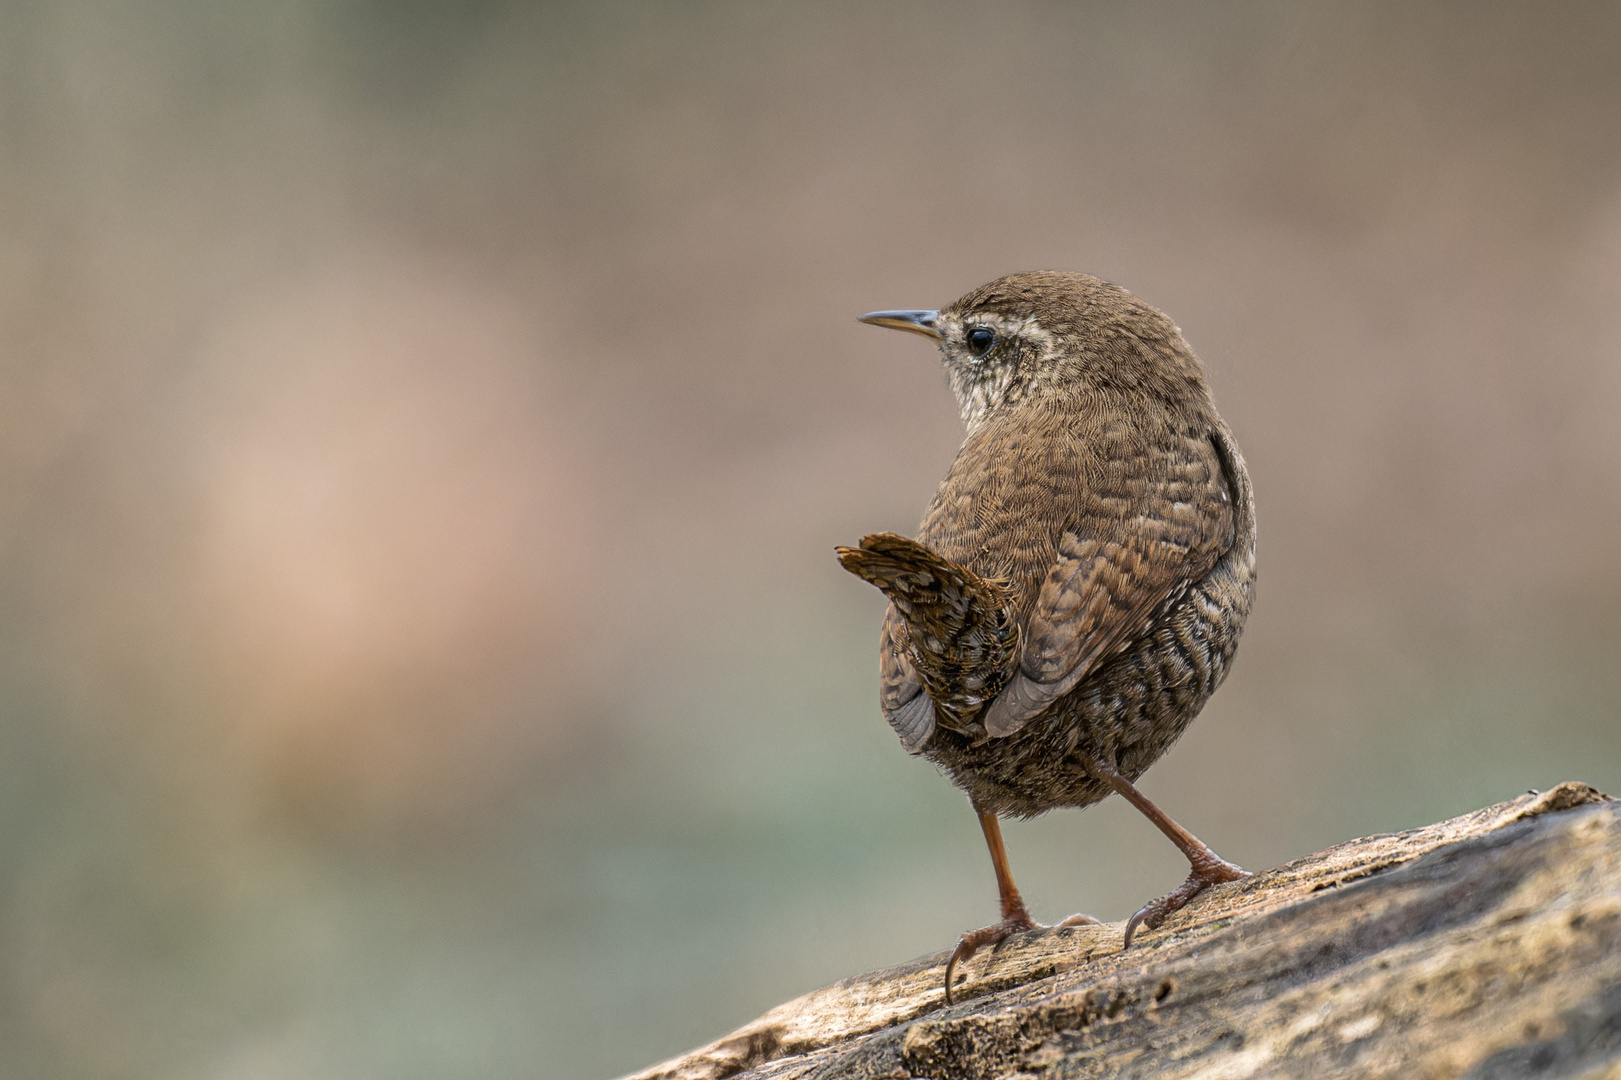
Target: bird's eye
(980, 340)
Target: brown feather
(1087, 564)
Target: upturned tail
(960, 633)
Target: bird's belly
(1130, 710)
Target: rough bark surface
(1486, 947)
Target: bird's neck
(978, 393)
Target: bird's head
(1058, 338)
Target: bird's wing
(900, 692)
(1113, 574)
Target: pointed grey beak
(918, 322)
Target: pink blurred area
(384, 515)
(424, 430)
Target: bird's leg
(1207, 868)
(1015, 917)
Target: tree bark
(1488, 946)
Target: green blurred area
(426, 426)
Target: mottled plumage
(1079, 584)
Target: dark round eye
(980, 340)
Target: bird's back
(1024, 481)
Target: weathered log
(1488, 946)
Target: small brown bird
(1076, 591)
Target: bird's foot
(1205, 873)
(995, 936)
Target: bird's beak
(918, 322)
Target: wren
(1078, 586)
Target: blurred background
(426, 427)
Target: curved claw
(971, 942)
(1144, 913)
(965, 950)
(1154, 913)
(997, 936)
